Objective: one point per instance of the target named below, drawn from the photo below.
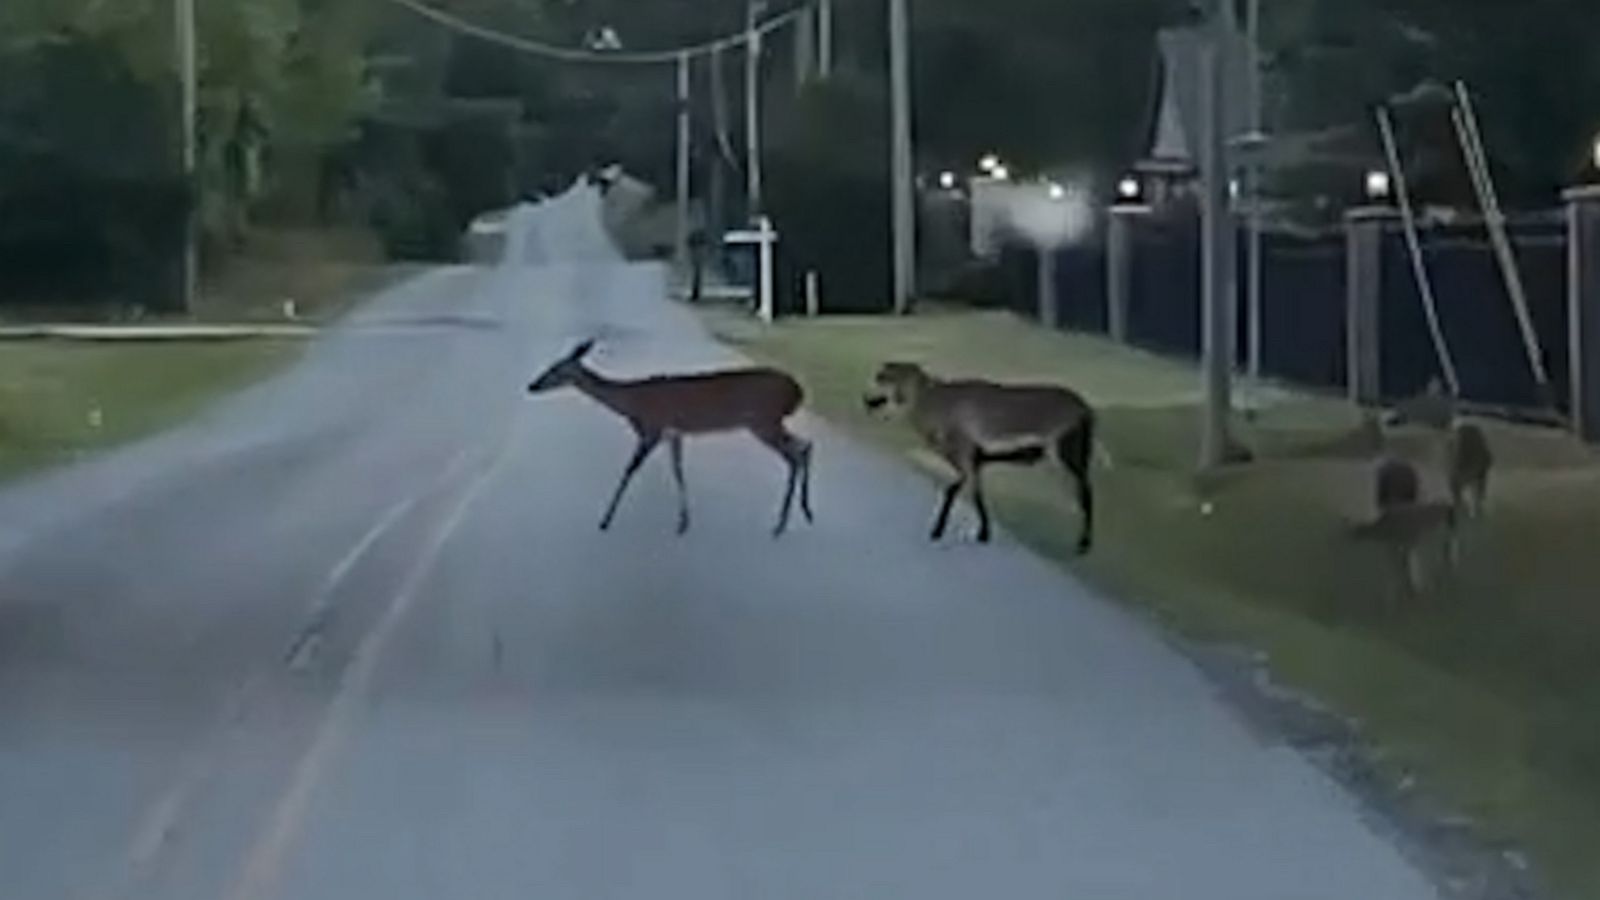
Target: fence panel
(1476, 315)
(1303, 310)
(1164, 288)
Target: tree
(1529, 66)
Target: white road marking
(261, 866)
(301, 649)
(160, 822)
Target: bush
(90, 209)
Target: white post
(905, 215)
(752, 106)
(684, 149)
(764, 251)
(813, 294)
(1049, 315)
(188, 80)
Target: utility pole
(824, 38)
(1253, 192)
(184, 36)
(1217, 261)
(805, 49)
(752, 104)
(681, 250)
(900, 169)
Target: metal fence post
(1364, 228)
(1583, 307)
(1049, 311)
(1119, 266)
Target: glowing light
(1000, 172)
(1128, 188)
(989, 163)
(1378, 185)
(947, 180)
(1057, 192)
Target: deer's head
(896, 383)
(564, 372)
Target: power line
(612, 57)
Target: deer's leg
(962, 459)
(974, 475)
(647, 443)
(806, 451)
(675, 444)
(1400, 589)
(794, 452)
(1416, 571)
(950, 494)
(1076, 450)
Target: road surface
(354, 634)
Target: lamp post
(188, 159)
(1218, 268)
(900, 169)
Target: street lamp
(947, 180)
(988, 163)
(1128, 188)
(1378, 185)
(999, 172)
(1056, 191)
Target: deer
(1406, 531)
(668, 408)
(1396, 484)
(1470, 461)
(1433, 409)
(972, 424)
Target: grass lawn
(61, 399)
(1487, 692)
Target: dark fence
(1303, 304)
(1302, 310)
(1476, 315)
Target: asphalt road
(354, 634)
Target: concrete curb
(152, 332)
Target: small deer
(1397, 483)
(1407, 532)
(1434, 409)
(1470, 461)
(971, 424)
(1406, 525)
(667, 408)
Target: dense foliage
(358, 110)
